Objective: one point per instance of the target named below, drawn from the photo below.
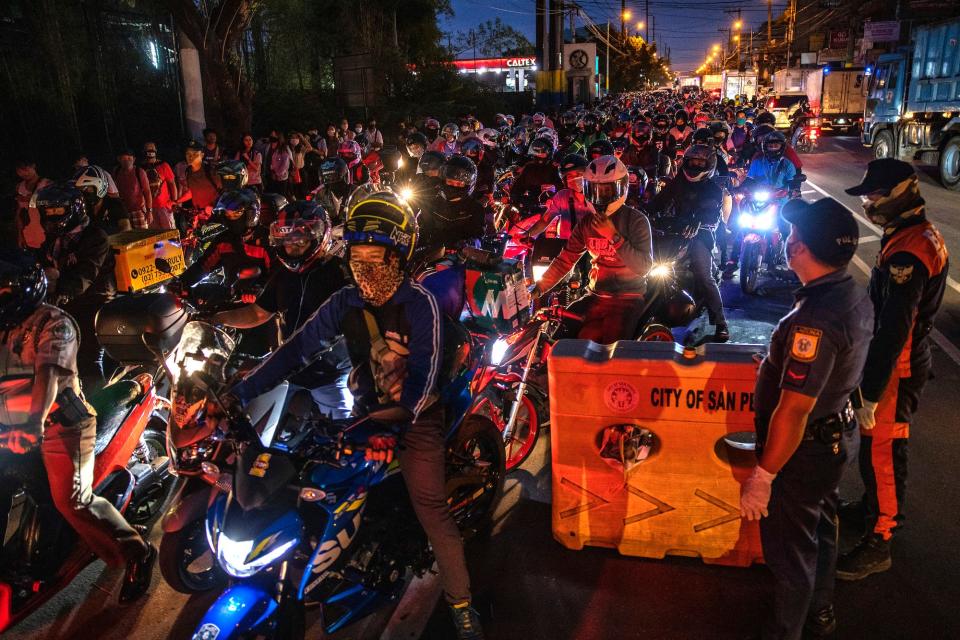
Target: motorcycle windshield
(261, 477)
(203, 349)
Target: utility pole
(606, 76)
(647, 22)
(654, 18)
(792, 13)
(623, 20)
(573, 26)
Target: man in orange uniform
(906, 287)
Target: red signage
(495, 64)
(839, 39)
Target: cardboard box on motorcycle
(664, 411)
(135, 252)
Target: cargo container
(836, 95)
(912, 109)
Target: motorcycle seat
(112, 404)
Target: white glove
(755, 494)
(866, 415)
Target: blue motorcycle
(310, 522)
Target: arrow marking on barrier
(732, 512)
(658, 506)
(597, 501)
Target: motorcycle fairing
(240, 609)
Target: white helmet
(489, 137)
(92, 179)
(606, 183)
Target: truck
(738, 84)
(837, 96)
(912, 110)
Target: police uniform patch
(796, 373)
(806, 344)
(901, 274)
(63, 330)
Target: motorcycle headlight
(745, 221)
(235, 555)
(406, 193)
(661, 270)
(497, 351)
(538, 271)
(761, 196)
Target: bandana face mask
(377, 281)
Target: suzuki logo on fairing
(330, 550)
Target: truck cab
(884, 105)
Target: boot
(820, 624)
(722, 333)
(138, 576)
(467, 622)
(871, 555)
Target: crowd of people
(345, 226)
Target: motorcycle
(43, 554)
(807, 135)
(761, 241)
(311, 522)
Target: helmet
(720, 126)
(233, 174)
(430, 162)
(641, 131)
(599, 148)
(702, 136)
(302, 227)
(238, 210)
(568, 119)
(23, 287)
(538, 119)
(500, 119)
(701, 119)
(350, 152)
(572, 162)
(765, 118)
(333, 171)
(62, 208)
(590, 121)
(518, 142)
(450, 131)
(272, 203)
(489, 137)
(619, 146)
(92, 180)
(549, 134)
(541, 149)
(661, 121)
(606, 183)
(432, 127)
(416, 144)
(774, 145)
(681, 118)
(472, 148)
(510, 120)
(699, 162)
(761, 132)
(458, 178)
(382, 219)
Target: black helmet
(383, 219)
(472, 148)
(430, 162)
(766, 117)
(23, 286)
(233, 174)
(304, 228)
(761, 132)
(573, 162)
(541, 150)
(774, 145)
(457, 178)
(61, 207)
(270, 205)
(599, 148)
(699, 162)
(238, 210)
(416, 144)
(334, 171)
(391, 158)
(661, 121)
(681, 117)
(720, 131)
(702, 136)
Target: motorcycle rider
(457, 218)
(695, 203)
(591, 132)
(78, 263)
(773, 168)
(392, 328)
(427, 180)
(662, 141)
(351, 153)
(569, 206)
(681, 130)
(302, 239)
(447, 143)
(618, 239)
(537, 176)
(39, 349)
(105, 211)
(473, 148)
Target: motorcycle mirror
(163, 266)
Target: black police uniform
(818, 350)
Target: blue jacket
(776, 174)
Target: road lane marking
(953, 284)
(942, 341)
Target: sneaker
(871, 555)
(722, 333)
(138, 576)
(467, 621)
(821, 624)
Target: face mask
(295, 141)
(358, 129)
(741, 121)
(902, 198)
(126, 164)
(791, 250)
(377, 281)
(274, 139)
(151, 154)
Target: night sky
(688, 27)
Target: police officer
(806, 432)
(38, 359)
(906, 286)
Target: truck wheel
(883, 145)
(950, 164)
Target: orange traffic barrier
(640, 456)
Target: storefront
(504, 74)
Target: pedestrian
(134, 190)
(333, 141)
(806, 431)
(163, 187)
(29, 232)
(279, 161)
(253, 160)
(374, 136)
(344, 129)
(906, 287)
(299, 147)
(198, 186)
(212, 153)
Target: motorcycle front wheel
(186, 562)
(749, 268)
(495, 404)
(476, 469)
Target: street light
(736, 38)
(640, 25)
(627, 15)
(738, 24)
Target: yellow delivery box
(137, 250)
(646, 448)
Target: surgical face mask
(294, 141)
(791, 250)
(377, 281)
(358, 129)
(741, 121)
(127, 163)
(274, 139)
(150, 153)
